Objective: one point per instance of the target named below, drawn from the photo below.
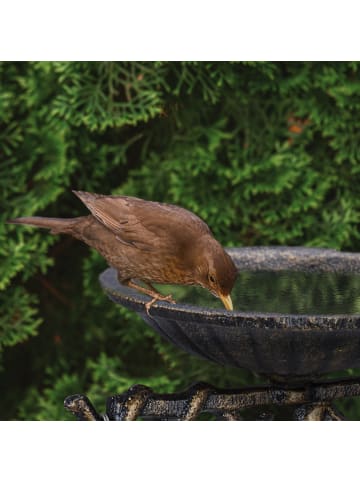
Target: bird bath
(296, 317)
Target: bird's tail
(56, 225)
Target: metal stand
(312, 401)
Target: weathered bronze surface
(311, 402)
(277, 345)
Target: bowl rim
(270, 258)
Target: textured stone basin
(274, 344)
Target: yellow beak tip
(227, 302)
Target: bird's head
(216, 271)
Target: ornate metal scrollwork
(310, 402)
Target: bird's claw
(169, 299)
(159, 297)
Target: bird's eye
(211, 278)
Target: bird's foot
(150, 291)
(158, 297)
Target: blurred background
(267, 153)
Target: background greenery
(267, 153)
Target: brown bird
(149, 242)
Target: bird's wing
(143, 224)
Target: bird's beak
(227, 302)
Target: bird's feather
(143, 225)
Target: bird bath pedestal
(292, 349)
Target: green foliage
(266, 152)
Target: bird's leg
(157, 296)
(150, 291)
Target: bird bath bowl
(296, 317)
(278, 344)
